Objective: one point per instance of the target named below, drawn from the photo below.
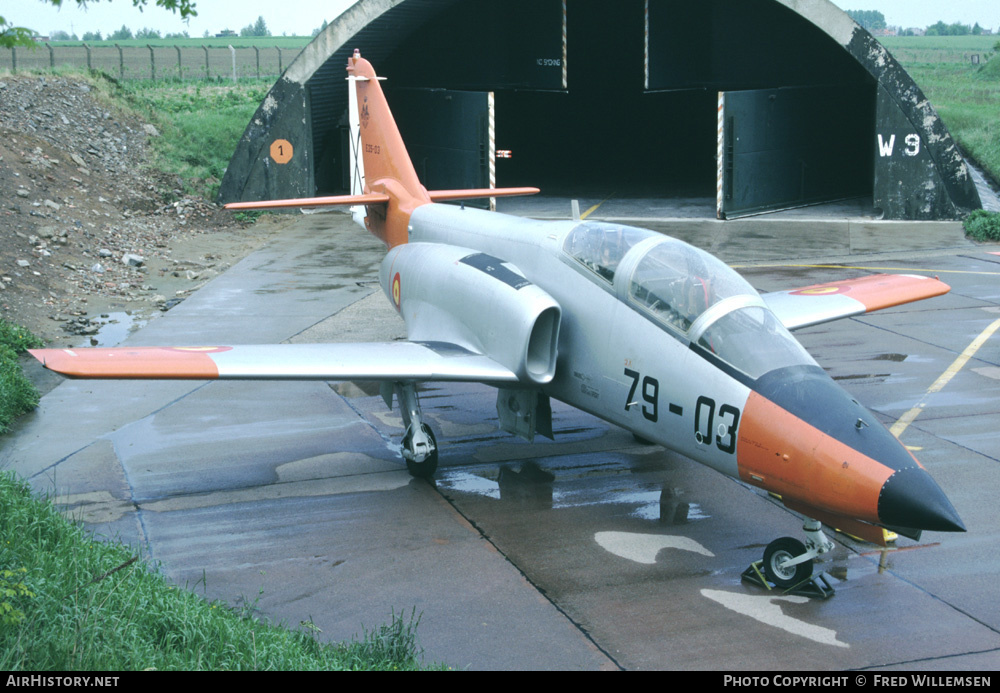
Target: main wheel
(425, 469)
(779, 551)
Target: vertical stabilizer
(385, 165)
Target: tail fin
(383, 178)
(387, 166)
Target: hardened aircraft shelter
(758, 105)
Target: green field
(965, 93)
(937, 49)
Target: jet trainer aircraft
(635, 327)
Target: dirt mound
(87, 227)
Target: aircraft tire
(780, 550)
(425, 469)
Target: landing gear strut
(788, 563)
(419, 445)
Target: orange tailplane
(390, 189)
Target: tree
(258, 28)
(11, 35)
(870, 19)
(92, 36)
(123, 34)
(147, 33)
(942, 29)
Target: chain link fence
(154, 62)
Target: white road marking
(643, 548)
(767, 610)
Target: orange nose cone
(780, 452)
(818, 450)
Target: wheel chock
(815, 587)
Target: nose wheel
(779, 567)
(788, 564)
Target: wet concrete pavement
(590, 552)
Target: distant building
(225, 33)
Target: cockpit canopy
(690, 293)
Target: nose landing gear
(788, 564)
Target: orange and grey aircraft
(635, 327)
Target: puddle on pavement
(115, 328)
(531, 483)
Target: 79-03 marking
(704, 414)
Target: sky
(301, 17)
(291, 17)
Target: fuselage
(664, 340)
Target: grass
(200, 123)
(982, 226)
(17, 394)
(70, 603)
(965, 95)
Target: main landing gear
(419, 447)
(788, 564)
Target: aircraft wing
(383, 361)
(812, 305)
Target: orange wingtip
(127, 363)
(880, 291)
(329, 201)
(472, 193)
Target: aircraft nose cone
(911, 498)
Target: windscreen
(696, 294)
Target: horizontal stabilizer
(444, 195)
(821, 303)
(329, 201)
(378, 198)
(392, 361)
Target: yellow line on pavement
(957, 365)
(587, 213)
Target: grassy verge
(200, 123)
(966, 95)
(982, 226)
(70, 603)
(17, 394)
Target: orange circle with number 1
(281, 151)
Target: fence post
(207, 75)
(52, 56)
(89, 68)
(279, 60)
(152, 62)
(232, 53)
(179, 74)
(257, 51)
(121, 63)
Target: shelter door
(791, 147)
(449, 136)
